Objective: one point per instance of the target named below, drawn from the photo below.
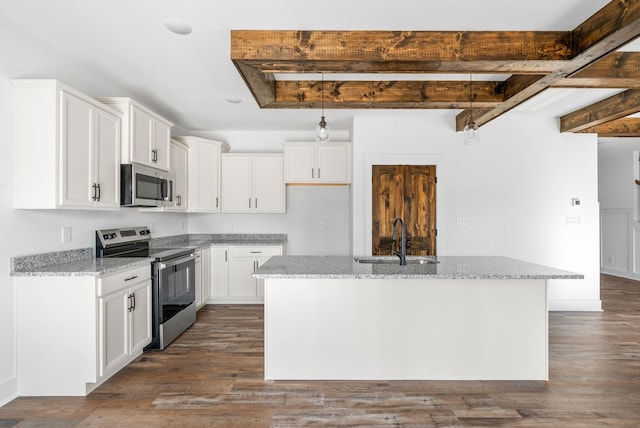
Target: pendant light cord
(470, 98)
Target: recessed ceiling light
(177, 26)
(234, 100)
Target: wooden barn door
(408, 192)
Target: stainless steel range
(173, 279)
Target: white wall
(618, 167)
(515, 189)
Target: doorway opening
(408, 192)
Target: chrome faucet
(403, 242)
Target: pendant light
(471, 132)
(322, 130)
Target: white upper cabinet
(317, 162)
(146, 136)
(179, 168)
(67, 148)
(253, 183)
(203, 173)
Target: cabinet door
(332, 163)
(236, 185)
(208, 182)
(206, 274)
(219, 272)
(198, 275)
(241, 282)
(299, 163)
(141, 142)
(161, 144)
(268, 184)
(114, 331)
(140, 317)
(179, 170)
(107, 159)
(76, 169)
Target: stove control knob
(105, 236)
(112, 236)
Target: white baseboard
(575, 305)
(8, 390)
(620, 273)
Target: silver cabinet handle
(94, 196)
(256, 207)
(256, 252)
(312, 173)
(225, 256)
(178, 200)
(249, 202)
(131, 278)
(133, 298)
(318, 173)
(99, 192)
(216, 202)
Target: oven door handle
(171, 263)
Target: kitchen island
(462, 318)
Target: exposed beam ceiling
(584, 57)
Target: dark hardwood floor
(212, 376)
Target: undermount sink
(392, 260)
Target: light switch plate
(66, 233)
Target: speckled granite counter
(448, 267)
(81, 262)
(207, 240)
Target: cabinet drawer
(256, 251)
(117, 281)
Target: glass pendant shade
(322, 131)
(471, 133)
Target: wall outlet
(66, 233)
(610, 259)
(462, 221)
(322, 225)
(573, 221)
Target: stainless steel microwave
(141, 186)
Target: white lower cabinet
(125, 319)
(74, 332)
(203, 276)
(231, 273)
(219, 274)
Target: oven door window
(176, 289)
(152, 188)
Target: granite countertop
(85, 267)
(448, 267)
(82, 262)
(207, 240)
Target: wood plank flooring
(212, 376)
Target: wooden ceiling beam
(612, 108)
(386, 94)
(624, 127)
(299, 47)
(617, 70)
(584, 57)
(612, 27)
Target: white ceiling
(189, 78)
